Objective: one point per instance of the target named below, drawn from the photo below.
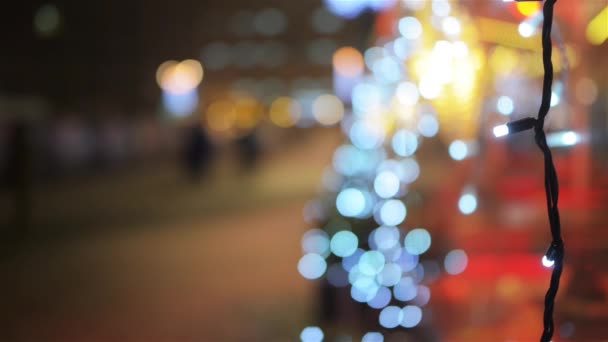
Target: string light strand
(556, 251)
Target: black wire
(556, 249)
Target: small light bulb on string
(514, 127)
(546, 262)
(501, 131)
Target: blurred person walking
(248, 151)
(198, 152)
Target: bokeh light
(404, 143)
(385, 237)
(407, 93)
(366, 97)
(423, 295)
(414, 5)
(417, 241)
(47, 20)
(344, 243)
(403, 48)
(346, 8)
(405, 290)
(311, 334)
(451, 27)
(456, 261)
(364, 290)
(597, 30)
(586, 91)
(325, 22)
(428, 126)
(387, 70)
(381, 299)
(216, 55)
(366, 135)
(249, 111)
(285, 112)
(371, 263)
(409, 170)
(563, 139)
(505, 105)
(391, 317)
(555, 98)
(430, 88)
(270, 22)
(180, 104)
(410, 28)
(458, 150)
(526, 29)
(407, 261)
(350, 262)
(373, 337)
(328, 109)
(441, 8)
(386, 184)
(351, 202)
(316, 241)
(528, 8)
(393, 212)
(179, 77)
(412, 316)
(467, 204)
(312, 266)
(221, 115)
(349, 160)
(390, 275)
(348, 62)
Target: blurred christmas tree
(422, 74)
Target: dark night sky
(106, 52)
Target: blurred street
(146, 256)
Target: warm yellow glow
(528, 8)
(503, 60)
(162, 70)
(448, 74)
(404, 114)
(194, 68)
(248, 112)
(179, 78)
(348, 62)
(285, 112)
(421, 63)
(506, 34)
(328, 109)
(221, 115)
(597, 30)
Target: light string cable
(555, 253)
(556, 249)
